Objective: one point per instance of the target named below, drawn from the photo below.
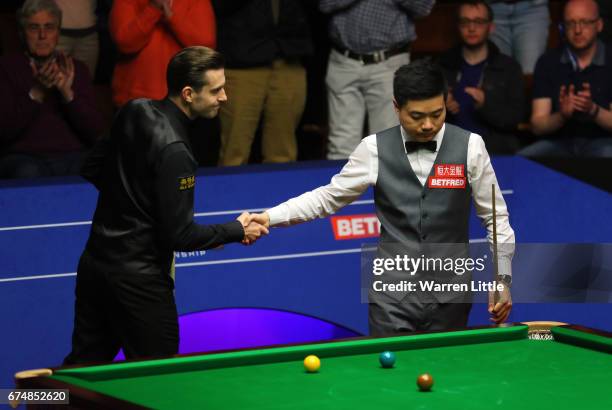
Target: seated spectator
(521, 29)
(47, 110)
(263, 42)
(148, 33)
(572, 93)
(486, 87)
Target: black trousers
(135, 312)
(388, 317)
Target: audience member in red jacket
(47, 110)
(148, 33)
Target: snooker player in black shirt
(145, 174)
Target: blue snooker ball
(387, 359)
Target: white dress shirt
(361, 172)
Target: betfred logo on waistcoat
(450, 176)
(355, 226)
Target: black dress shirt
(145, 173)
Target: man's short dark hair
(476, 3)
(420, 80)
(187, 68)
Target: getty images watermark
(460, 272)
(430, 270)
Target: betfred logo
(452, 183)
(355, 226)
(447, 176)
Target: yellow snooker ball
(312, 363)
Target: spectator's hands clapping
(57, 72)
(583, 101)
(477, 94)
(567, 98)
(45, 74)
(65, 77)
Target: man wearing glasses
(48, 114)
(486, 92)
(572, 93)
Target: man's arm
(603, 118)
(543, 120)
(545, 91)
(582, 101)
(331, 6)
(354, 179)
(417, 8)
(193, 23)
(481, 177)
(131, 25)
(174, 188)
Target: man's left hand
(500, 304)
(253, 229)
(65, 77)
(45, 74)
(477, 94)
(262, 218)
(583, 101)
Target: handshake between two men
(255, 226)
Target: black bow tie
(412, 146)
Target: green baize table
(493, 367)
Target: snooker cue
(495, 260)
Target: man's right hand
(566, 101)
(583, 101)
(500, 305)
(252, 232)
(262, 218)
(46, 75)
(253, 229)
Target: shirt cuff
(277, 215)
(504, 265)
(235, 231)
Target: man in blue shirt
(572, 94)
(486, 95)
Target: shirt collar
(599, 58)
(438, 137)
(172, 109)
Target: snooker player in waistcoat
(425, 175)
